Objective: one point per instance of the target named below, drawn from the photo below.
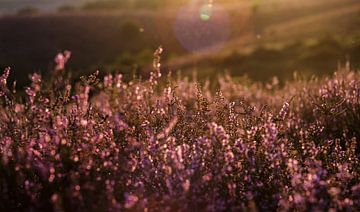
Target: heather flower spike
(156, 73)
(61, 59)
(3, 81)
(5, 75)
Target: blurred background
(257, 38)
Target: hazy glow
(202, 26)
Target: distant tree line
(116, 4)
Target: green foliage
(255, 5)
(130, 31)
(28, 11)
(66, 8)
(124, 4)
(107, 4)
(131, 63)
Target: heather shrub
(173, 144)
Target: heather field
(179, 105)
(166, 143)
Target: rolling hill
(104, 39)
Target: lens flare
(202, 26)
(206, 12)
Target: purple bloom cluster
(150, 145)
